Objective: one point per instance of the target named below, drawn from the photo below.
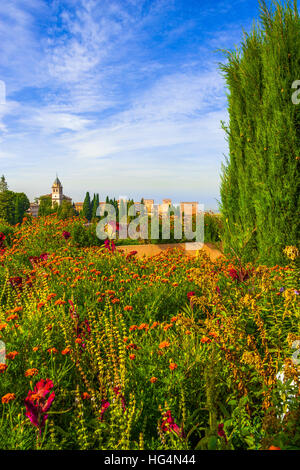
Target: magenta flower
(44, 256)
(37, 403)
(109, 245)
(221, 432)
(66, 235)
(168, 424)
(117, 391)
(104, 405)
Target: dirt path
(152, 250)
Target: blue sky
(120, 97)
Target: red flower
(37, 404)
(233, 274)
(2, 238)
(131, 254)
(190, 294)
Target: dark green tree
(22, 204)
(7, 206)
(260, 185)
(95, 205)
(87, 207)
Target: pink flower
(37, 403)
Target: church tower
(57, 192)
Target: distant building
(78, 206)
(189, 208)
(33, 209)
(57, 193)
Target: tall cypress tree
(95, 205)
(260, 185)
(87, 207)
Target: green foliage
(3, 184)
(45, 206)
(83, 235)
(65, 210)
(260, 186)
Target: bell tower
(57, 192)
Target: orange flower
(2, 326)
(143, 326)
(173, 366)
(133, 327)
(153, 380)
(67, 350)
(85, 396)
(35, 348)
(132, 356)
(12, 355)
(78, 340)
(205, 339)
(52, 350)
(8, 397)
(154, 324)
(51, 296)
(12, 317)
(3, 368)
(166, 327)
(125, 339)
(274, 448)
(213, 334)
(40, 305)
(164, 344)
(31, 372)
(173, 319)
(60, 302)
(127, 308)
